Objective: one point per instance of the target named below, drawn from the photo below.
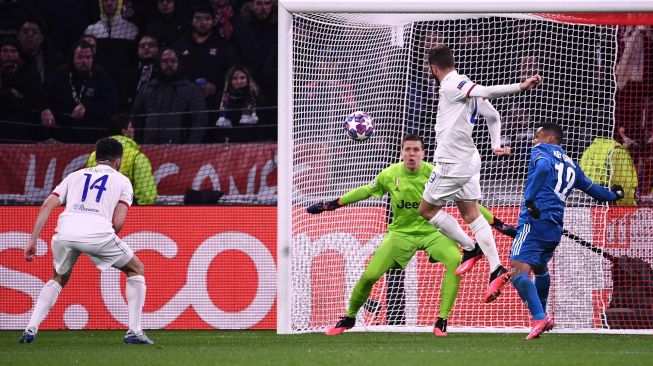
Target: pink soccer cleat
(440, 328)
(539, 327)
(342, 325)
(470, 257)
(498, 279)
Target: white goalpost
(341, 56)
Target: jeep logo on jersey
(404, 204)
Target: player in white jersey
(97, 200)
(458, 164)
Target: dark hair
(412, 137)
(82, 45)
(441, 56)
(554, 129)
(140, 37)
(108, 149)
(117, 124)
(202, 8)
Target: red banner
(205, 268)
(244, 172)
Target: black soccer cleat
(440, 328)
(342, 325)
(470, 257)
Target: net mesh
(348, 62)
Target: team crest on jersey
(397, 184)
(462, 83)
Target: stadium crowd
(194, 71)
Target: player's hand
(323, 206)
(532, 209)
(30, 250)
(503, 228)
(618, 191)
(530, 83)
(502, 151)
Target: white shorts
(454, 182)
(111, 253)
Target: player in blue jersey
(552, 175)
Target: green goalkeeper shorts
(402, 247)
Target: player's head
(440, 60)
(412, 151)
(108, 151)
(548, 133)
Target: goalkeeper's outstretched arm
(353, 196)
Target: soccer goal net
(596, 71)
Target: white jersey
(91, 195)
(457, 114)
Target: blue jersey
(549, 184)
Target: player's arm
(119, 215)
(493, 118)
(375, 188)
(597, 192)
(353, 196)
(44, 213)
(540, 173)
(501, 90)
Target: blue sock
(542, 284)
(528, 293)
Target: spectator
(38, 52)
(205, 56)
(634, 76)
(19, 92)
(164, 98)
(137, 77)
(606, 162)
(135, 165)
(239, 99)
(115, 39)
(66, 20)
(169, 26)
(255, 37)
(223, 13)
(80, 98)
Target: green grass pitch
(90, 348)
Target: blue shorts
(535, 242)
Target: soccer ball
(359, 126)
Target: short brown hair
(441, 56)
(412, 137)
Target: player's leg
(444, 250)
(393, 252)
(542, 284)
(467, 202)
(64, 258)
(526, 253)
(438, 190)
(116, 253)
(135, 290)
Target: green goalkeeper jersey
(405, 189)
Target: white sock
(449, 226)
(483, 234)
(47, 298)
(135, 293)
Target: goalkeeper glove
(503, 228)
(532, 209)
(323, 206)
(618, 191)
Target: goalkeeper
(408, 232)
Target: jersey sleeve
(127, 193)
(61, 190)
(374, 188)
(459, 89)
